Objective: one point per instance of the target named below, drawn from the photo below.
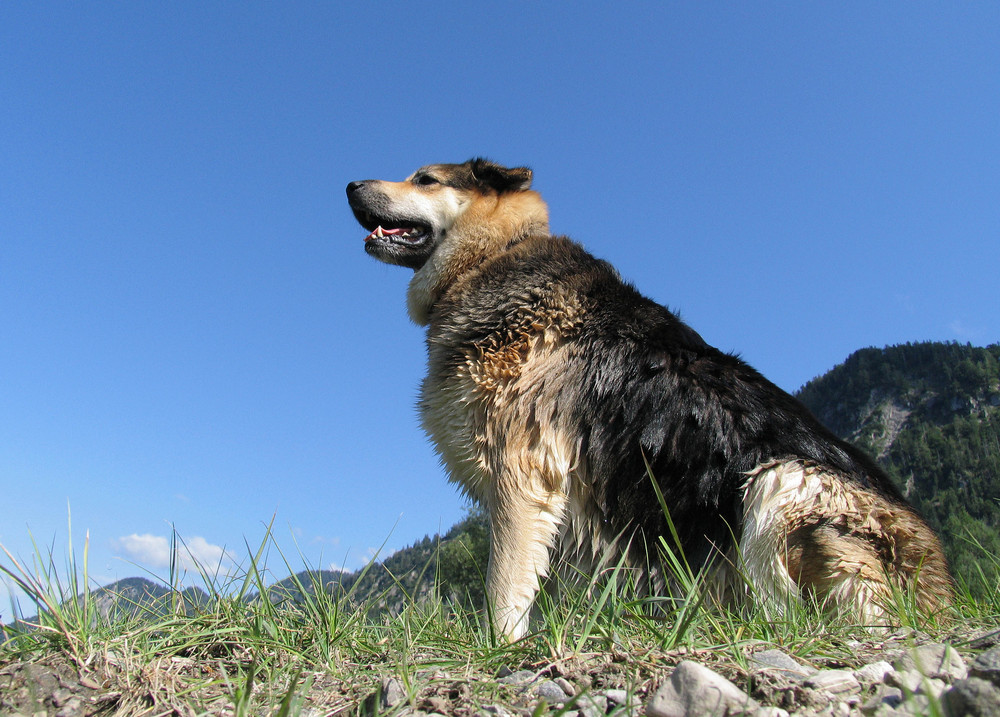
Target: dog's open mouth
(402, 232)
(392, 238)
(410, 235)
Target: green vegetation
(309, 648)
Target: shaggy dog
(556, 394)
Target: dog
(557, 395)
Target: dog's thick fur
(552, 384)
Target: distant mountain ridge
(139, 599)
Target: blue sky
(191, 334)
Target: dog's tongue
(399, 231)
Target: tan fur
(807, 529)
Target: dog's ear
(498, 178)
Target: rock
(694, 690)
(906, 680)
(974, 697)
(393, 692)
(520, 677)
(873, 673)
(73, 707)
(885, 698)
(934, 660)
(916, 705)
(770, 712)
(932, 687)
(987, 666)
(565, 686)
(550, 692)
(497, 710)
(780, 663)
(591, 705)
(623, 702)
(617, 697)
(834, 681)
(835, 709)
(89, 683)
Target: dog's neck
(468, 245)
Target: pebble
(987, 666)
(906, 680)
(694, 689)
(623, 702)
(873, 673)
(565, 686)
(591, 705)
(884, 697)
(521, 677)
(780, 663)
(550, 692)
(974, 697)
(934, 660)
(834, 681)
(393, 692)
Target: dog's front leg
(524, 520)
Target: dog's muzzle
(392, 238)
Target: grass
(247, 650)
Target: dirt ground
(55, 686)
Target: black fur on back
(642, 384)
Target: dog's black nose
(353, 187)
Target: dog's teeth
(378, 233)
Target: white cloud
(151, 550)
(154, 551)
(206, 553)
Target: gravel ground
(960, 674)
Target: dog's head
(408, 220)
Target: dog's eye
(426, 179)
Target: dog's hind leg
(808, 531)
(870, 563)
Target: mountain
(930, 414)
(137, 599)
(454, 563)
